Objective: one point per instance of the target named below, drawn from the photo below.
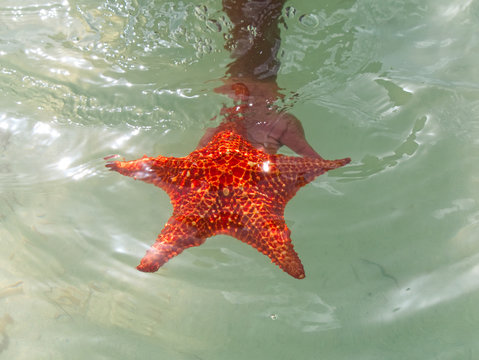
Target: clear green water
(390, 244)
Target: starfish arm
(145, 168)
(296, 172)
(170, 174)
(272, 238)
(175, 237)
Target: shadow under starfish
(227, 187)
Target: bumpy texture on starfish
(227, 187)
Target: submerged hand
(263, 125)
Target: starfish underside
(227, 187)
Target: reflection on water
(372, 165)
(310, 313)
(440, 286)
(390, 243)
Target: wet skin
(251, 79)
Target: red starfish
(227, 187)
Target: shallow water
(389, 243)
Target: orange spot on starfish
(227, 187)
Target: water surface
(389, 243)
